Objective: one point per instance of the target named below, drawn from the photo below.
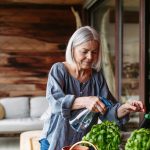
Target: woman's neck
(80, 74)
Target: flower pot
(76, 146)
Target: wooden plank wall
(32, 38)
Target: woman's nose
(89, 55)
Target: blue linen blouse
(62, 89)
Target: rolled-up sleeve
(66, 105)
(59, 102)
(111, 115)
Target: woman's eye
(94, 52)
(84, 52)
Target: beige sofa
(20, 114)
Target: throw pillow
(2, 111)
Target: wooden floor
(8, 143)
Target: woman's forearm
(79, 103)
(92, 103)
(121, 112)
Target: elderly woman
(77, 84)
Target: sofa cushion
(16, 107)
(2, 111)
(20, 125)
(37, 106)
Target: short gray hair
(82, 35)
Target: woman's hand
(93, 103)
(130, 106)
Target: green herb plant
(105, 136)
(139, 140)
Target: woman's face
(86, 54)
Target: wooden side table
(29, 140)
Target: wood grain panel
(54, 2)
(32, 39)
(18, 80)
(25, 75)
(30, 61)
(42, 22)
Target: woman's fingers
(138, 104)
(96, 105)
(130, 107)
(101, 107)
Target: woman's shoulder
(57, 65)
(58, 68)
